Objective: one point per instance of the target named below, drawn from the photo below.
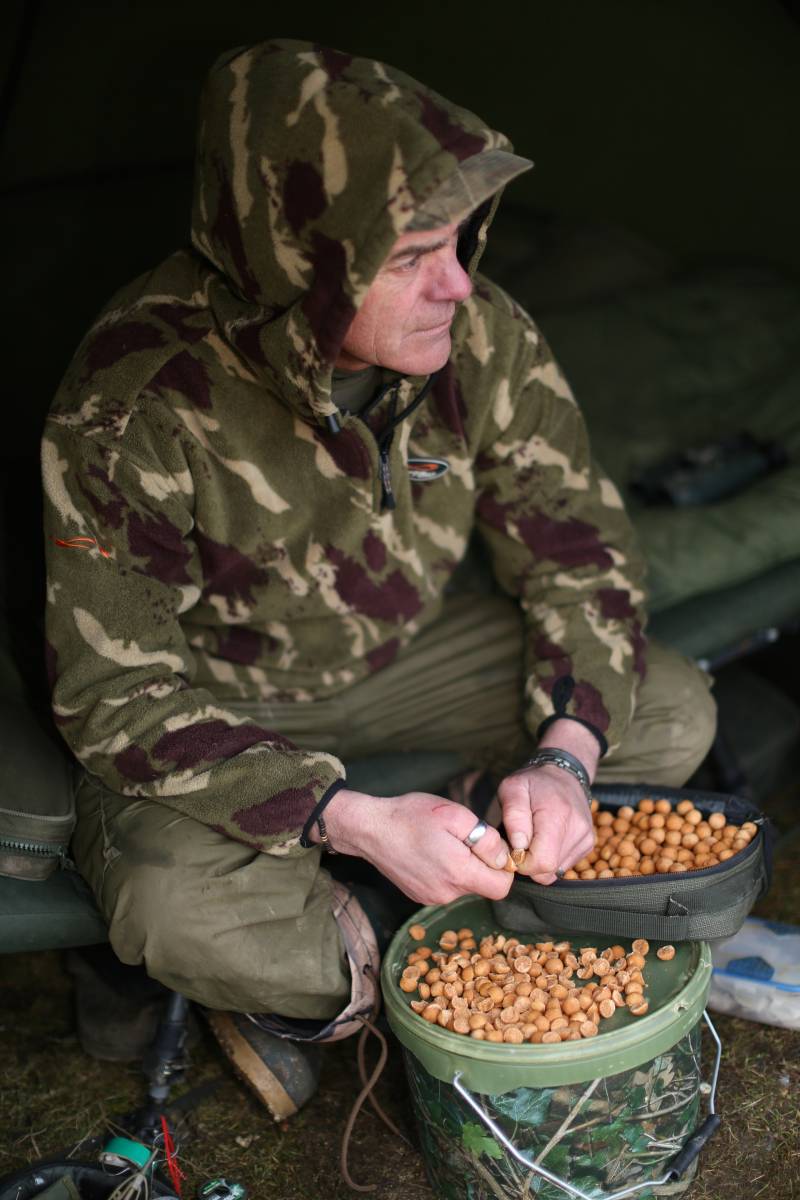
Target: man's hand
(417, 841)
(545, 810)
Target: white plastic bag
(757, 973)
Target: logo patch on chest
(424, 470)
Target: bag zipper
(38, 849)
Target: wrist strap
(551, 757)
(545, 725)
(317, 819)
(561, 695)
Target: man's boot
(283, 1073)
(117, 1007)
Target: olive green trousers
(235, 929)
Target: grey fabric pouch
(37, 808)
(690, 906)
(69, 1180)
(62, 1189)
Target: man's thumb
(517, 817)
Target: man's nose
(451, 281)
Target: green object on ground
(221, 1189)
(125, 1148)
(605, 1112)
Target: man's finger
(546, 852)
(489, 848)
(488, 881)
(515, 798)
(569, 852)
(576, 851)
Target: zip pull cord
(372, 404)
(415, 403)
(401, 416)
(335, 425)
(384, 441)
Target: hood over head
(310, 164)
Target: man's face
(405, 318)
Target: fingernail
(519, 841)
(500, 861)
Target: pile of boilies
(655, 839)
(504, 990)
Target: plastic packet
(757, 973)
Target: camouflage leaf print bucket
(601, 1118)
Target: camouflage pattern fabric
(212, 537)
(601, 1136)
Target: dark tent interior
(656, 242)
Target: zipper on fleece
(388, 499)
(384, 439)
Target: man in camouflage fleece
(264, 465)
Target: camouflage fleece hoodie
(213, 534)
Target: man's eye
(407, 264)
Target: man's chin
(425, 361)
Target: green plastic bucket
(608, 1116)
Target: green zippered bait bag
(37, 807)
(687, 906)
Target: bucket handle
(680, 1163)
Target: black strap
(616, 922)
(561, 695)
(335, 787)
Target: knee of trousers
(208, 917)
(223, 945)
(701, 727)
(673, 725)
(692, 727)
(156, 919)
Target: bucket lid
(676, 992)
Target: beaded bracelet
(567, 762)
(317, 819)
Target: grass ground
(52, 1097)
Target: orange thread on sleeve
(81, 543)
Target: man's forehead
(426, 238)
